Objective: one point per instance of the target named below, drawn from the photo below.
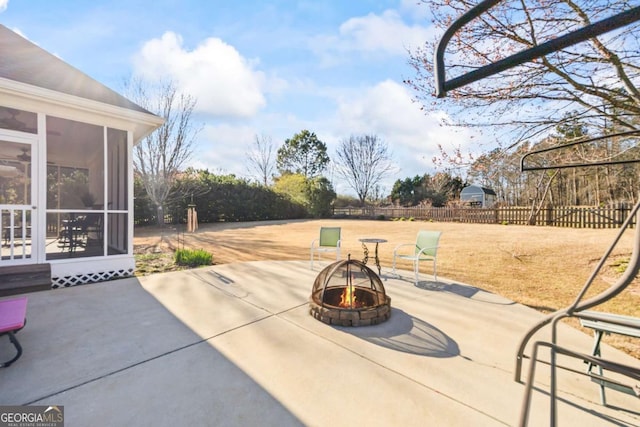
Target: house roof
(24, 62)
(488, 191)
(471, 188)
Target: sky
(259, 68)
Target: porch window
(87, 191)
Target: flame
(348, 297)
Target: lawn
(541, 267)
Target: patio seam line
(108, 374)
(141, 362)
(244, 298)
(393, 370)
(203, 340)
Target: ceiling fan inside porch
(9, 120)
(12, 122)
(25, 156)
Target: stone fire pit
(348, 293)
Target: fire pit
(348, 293)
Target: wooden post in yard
(192, 218)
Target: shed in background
(477, 196)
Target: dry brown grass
(542, 267)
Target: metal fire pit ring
(370, 305)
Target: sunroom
(66, 174)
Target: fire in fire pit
(348, 293)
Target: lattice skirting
(83, 279)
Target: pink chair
(13, 317)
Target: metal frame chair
(425, 249)
(329, 241)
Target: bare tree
(363, 161)
(261, 158)
(160, 157)
(599, 79)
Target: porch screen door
(17, 199)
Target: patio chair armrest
(402, 245)
(426, 248)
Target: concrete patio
(234, 345)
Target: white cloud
(223, 148)
(3, 5)
(225, 83)
(387, 110)
(384, 34)
(414, 9)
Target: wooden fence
(562, 216)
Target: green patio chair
(424, 249)
(329, 241)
